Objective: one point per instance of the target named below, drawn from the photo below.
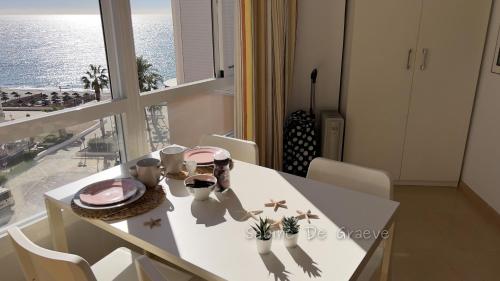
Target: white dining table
(212, 238)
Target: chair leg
(386, 260)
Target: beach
(19, 112)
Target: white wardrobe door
(452, 33)
(384, 32)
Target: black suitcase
(300, 138)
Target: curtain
(264, 50)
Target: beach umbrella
(65, 94)
(54, 94)
(28, 93)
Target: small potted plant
(263, 235)
(291, 230)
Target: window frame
(127, 103)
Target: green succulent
(290, 225)
(262, 229)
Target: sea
(52, 51)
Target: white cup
(172, 158)
(149, 171)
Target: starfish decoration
(306, 215)
(152, 223)
(251, 214)
(275, 224)
(277, 204)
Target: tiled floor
(443, 235)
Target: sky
(78, 6)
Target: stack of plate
(109, 194)
(202, 155)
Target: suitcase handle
(312, 99)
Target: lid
(222, 155)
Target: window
(174, 40)
(62, 119)
(39, 72)
(33, 165)
(174, 44)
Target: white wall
(320, 33)
(481, 170)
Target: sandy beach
(13, 113)
(106, 94)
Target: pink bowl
(108, 192)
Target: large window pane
(173, 42)
(32, 166)
(45, 50)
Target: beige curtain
(265, 51)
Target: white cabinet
(413, 69)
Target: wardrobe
(409, 84)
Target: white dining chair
(242, 150)
(46, 265)
(364, 180)
(151, 270)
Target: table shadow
(233, 205)
(275, 266)
(209, 212)
(305, 262)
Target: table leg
(56, 224)
(386, 260)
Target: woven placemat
(184, 174)
(151, 199)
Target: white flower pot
(291, 240)
(264, 246)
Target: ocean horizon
(47, 52)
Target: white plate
(141, 189)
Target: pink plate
(108, 192)
(202, 155)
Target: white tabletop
(209, 238)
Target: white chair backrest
(350, 176)
(242, 150)
(40, 264)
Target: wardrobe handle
(424, 59)
(408, 66)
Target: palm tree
(4, 97)
(76, 97)
(15, 94)
(95, 79)
(30, 94)
(149, 78)
(55, 98)
(45, 99)
(66, 98)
